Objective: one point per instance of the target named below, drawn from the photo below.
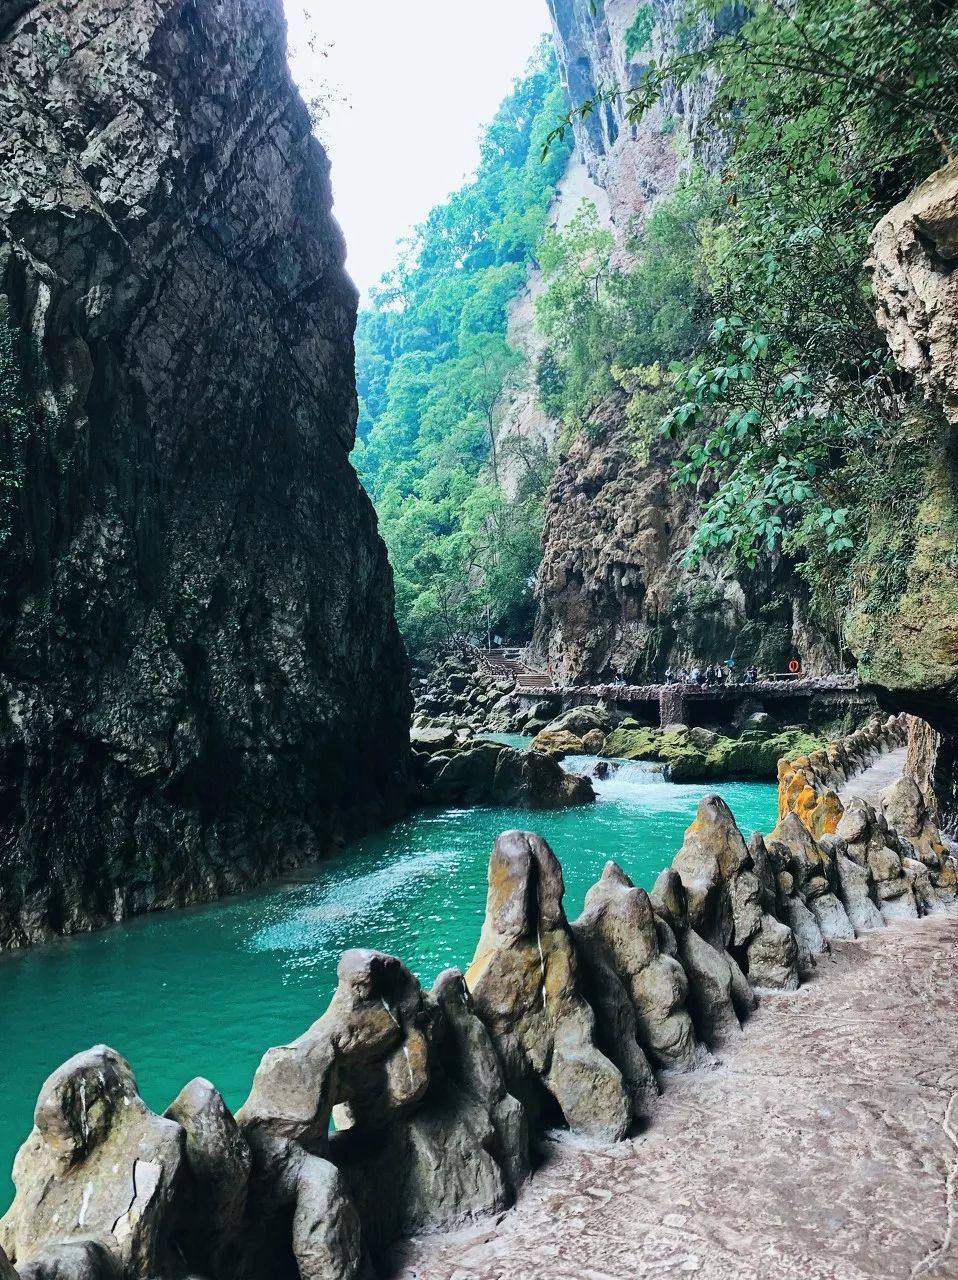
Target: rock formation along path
(824, 1147)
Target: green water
(206, 991)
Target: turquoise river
(207, 990)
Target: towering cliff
(613, 593)
(202, 682)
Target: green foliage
(639, 33)
(435, 374)
(610, 324)
(791, 407)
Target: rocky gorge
(202, 680)
(435, 1097)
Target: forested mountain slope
(435, 374)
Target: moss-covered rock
(696, 755)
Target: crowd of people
(705, 677)
(720, 673)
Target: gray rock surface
(203, 683)
(528, 990)
(97, 1164)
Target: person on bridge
(751, 674)
(696, 675)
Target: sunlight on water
(207, 991)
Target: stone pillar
(671, 705)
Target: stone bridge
(791, 700)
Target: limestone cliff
(613, 594)
(202, 682)
(908, 646)
(612, 590)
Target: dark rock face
(612, 590)
(202, 682)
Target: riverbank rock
(100, 1162)
(812, 866)
(489, 773)
(218, 1162)
(618, 936)
(698, 755)
(906, 813)
(527, 988)
(583, 720)
(557, 743)
(426, 1133)
(69, 1260)
(868, 843)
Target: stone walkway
(869, 784)
(824, 1147)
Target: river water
(206, 991)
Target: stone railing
(434, 1095)
(809, 785)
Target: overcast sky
(411, 82)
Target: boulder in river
(557, 743)
(527, 987)
(488, 772)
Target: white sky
(412, 82)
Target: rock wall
(613, 595)
(202, 682)
(908, 647)
(436, 1096)
(612, 591)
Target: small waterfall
(637, 772)
(634, 773)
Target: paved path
(824, 1147)
(869, 784)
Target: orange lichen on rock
(819, 810)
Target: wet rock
(98, 1163)
(592, 741)
(527, 989)
(6, 1269)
